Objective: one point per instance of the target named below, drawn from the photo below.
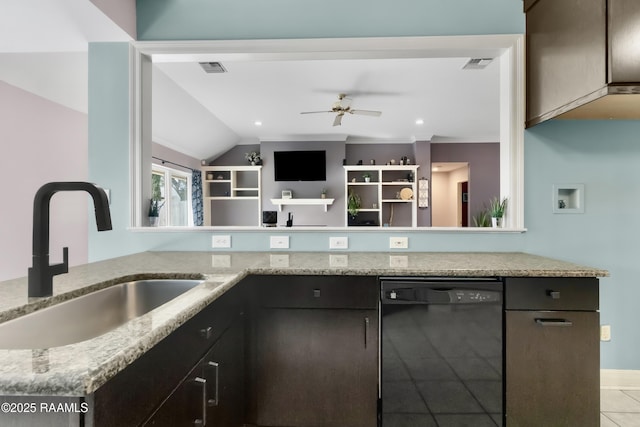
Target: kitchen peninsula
(83, 369)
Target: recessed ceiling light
(419, 121)
(257, 123)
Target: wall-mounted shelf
(320, 202)
(568, 198)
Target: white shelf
(397, 201)
(320, 202)
(231, 198)
(239, 182)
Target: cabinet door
(224, 371)
(566, 54)
(624, 35)
(317, 367)
(186, 406)
(552, 368)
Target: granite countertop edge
(48, 373)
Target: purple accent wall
(484, 169)
(41, 141)
(381, 153)
(122, 12)
(174, 156)
(235, 155)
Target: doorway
(450, 194)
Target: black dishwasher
(441, 351)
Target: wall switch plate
(221, 241)
(605, 333)
(398, 242)
(338, 242)
(279, 242)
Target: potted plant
(253, 158)
(366, 176)
(323, 195)
(497, 209)
(154, 211)
(353, 204)
(481, 219)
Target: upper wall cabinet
(583, 59)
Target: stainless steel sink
(90, 315)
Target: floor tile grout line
(605, 415)
(637, 399)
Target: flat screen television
(300, 165)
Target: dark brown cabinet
(552, 363)
(212, 393)
(582, 59)
(167, 385)
(316, 346)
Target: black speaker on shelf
(269, 218)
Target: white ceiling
(43, 46)
(455, 104)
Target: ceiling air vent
(212, 67)
(477, 63)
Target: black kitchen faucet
(41, 273)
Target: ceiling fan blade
(366, 112)
(314, 112)
(338, 120)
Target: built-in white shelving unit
(232, 185)
(387, 199)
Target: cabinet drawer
(548, 293)
(353, 292)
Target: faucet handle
(64, 266)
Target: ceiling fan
(343, 106)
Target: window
(173, 187)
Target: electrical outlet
(398, 261)
(279, 242)
(338, 242)
(605, 333)
(398, 242)
(221, 241)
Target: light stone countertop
(80, 369)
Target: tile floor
(619, 408)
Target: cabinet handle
(216, 366)
(206, 332)
(554, 322)
(366, 331)
(202, 421)
(553, 294)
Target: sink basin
(90, 315)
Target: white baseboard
(619, 379)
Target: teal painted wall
(601, 155)
(277, 19)
(604, 156)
